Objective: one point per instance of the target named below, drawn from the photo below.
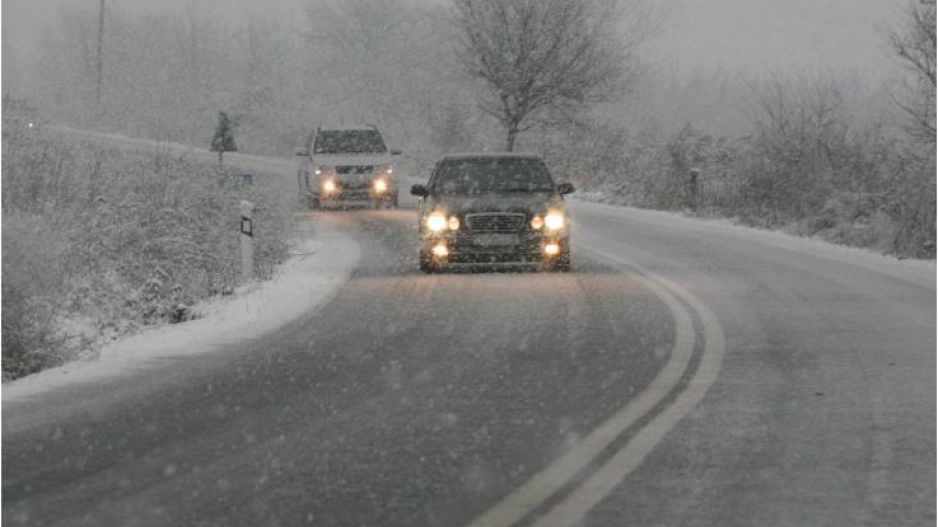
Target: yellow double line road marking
(572, 508)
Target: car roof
(492, 155)
(347, 128)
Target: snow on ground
(919, 271)
(242, 161)
(322, 264)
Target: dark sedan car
(493, 209)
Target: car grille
(499, 222)
(354, 169)
(355, 185)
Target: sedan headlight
(554, 221)
(436, 221)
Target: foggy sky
(753, 34)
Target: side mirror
(565, 188)
(395, 152)
(419, 190)
(302, 151)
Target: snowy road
(686, 373)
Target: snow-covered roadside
(321, 266)
(919, 271)
(242, 161)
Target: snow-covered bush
(102, 242)
(33, 293)
(810, 167)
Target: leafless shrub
(810, 166)
(99, 242)
(33, 286)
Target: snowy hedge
(815, 171)
(99, 242)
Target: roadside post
(247, 241)
(693, 187)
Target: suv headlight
(436, 221)
(554, 220)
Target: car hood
(527, 203)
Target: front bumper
(357, 195)
(352, 190)
(462, 248)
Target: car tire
(427, 264)
(562, 265)
(313, 203)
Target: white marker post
(247, 241)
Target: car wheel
(427, 264)
(313, 203)
(562, 265)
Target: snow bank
(918, 271)
(317, 271)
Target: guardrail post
(247, 241)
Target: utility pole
(100, 64)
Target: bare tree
(542, 60)
(912, 42)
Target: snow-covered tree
(224, 137)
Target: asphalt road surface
(682, 374)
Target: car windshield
(349, 142)
(491, 175)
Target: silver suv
(350, 164)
